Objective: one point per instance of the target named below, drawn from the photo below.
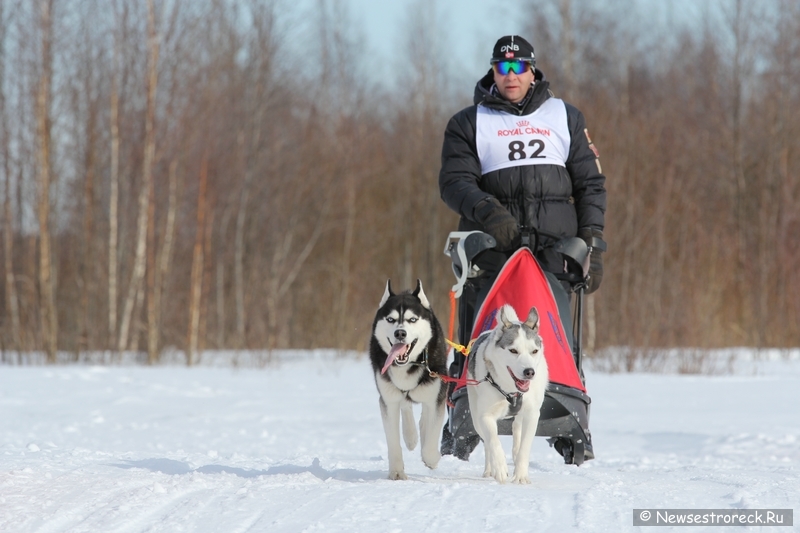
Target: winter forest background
(176, 175)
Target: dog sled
(521, 282)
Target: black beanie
(512, 47)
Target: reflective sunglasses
(516, 66)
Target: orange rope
(452, 314)
(463, 381)
(460, 347)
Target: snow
(299, 446)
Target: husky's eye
(412, 320)
(390, 320)
(535, 351)
(514, 351)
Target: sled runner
(522, 283)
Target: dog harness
(424, 364)
(514, 399)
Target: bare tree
(250, 143)
(47, 282)
(739, 19)
(238, 264)
(12, 299)
(567, 46)
(139, 266)
(220, 270)
(196, 280)
(152, 290)
(113, 201)
(205, 282)
(85, 97)
(424, 117)
(163, 260)
(339, 89)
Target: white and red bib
(541, 138)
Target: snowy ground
(300, 447)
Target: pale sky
(471, 27)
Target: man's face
(512, 86)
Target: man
(519, 158)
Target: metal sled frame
(564, 417)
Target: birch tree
(164, 258)
(120, 19)
(196, 280)
(139, 262)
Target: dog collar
(424, 362)
(514, 399)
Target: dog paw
(499, 471)
(397, 476)
(431, 460)
(522, 479)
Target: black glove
(498, 223)
(594, 238)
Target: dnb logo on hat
(512, 47)
(509, 49)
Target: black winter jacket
(555, 200)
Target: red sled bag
(523, 284)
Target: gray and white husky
(407, 344)
(508, 361)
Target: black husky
(406, 347)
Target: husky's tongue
(398, 349)
(522, 384)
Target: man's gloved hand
(594, 238)
(498, 223)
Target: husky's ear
(419, 293)
(507, 316)
(533, 320)
(387, 293)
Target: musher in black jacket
(521, 158)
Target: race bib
(541, 138)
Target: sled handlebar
(576, 249)
(462, 247)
